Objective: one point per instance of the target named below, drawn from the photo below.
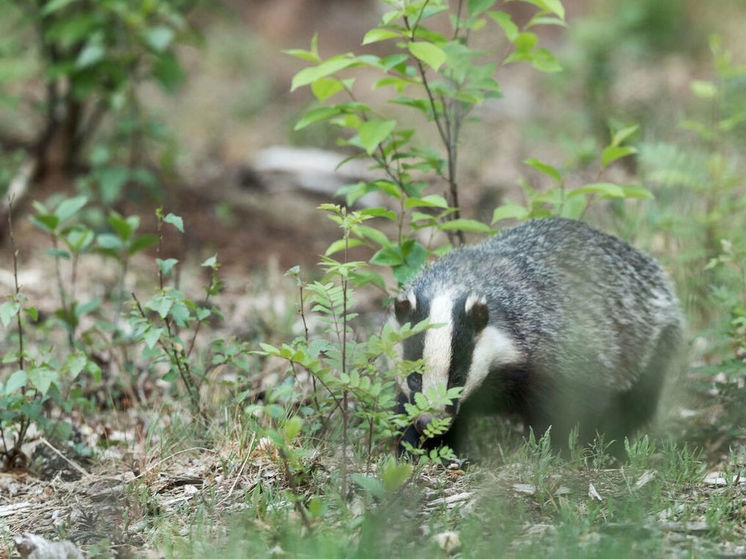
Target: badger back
(567, 302)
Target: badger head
(460, 350)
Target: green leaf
(378, 34)
(323, 88)
(612, 153)
(8, 310)
(15, 381)
(703, 89)
(637, 191)
(110, 241)
(544, 168)
(504, 20)
(174, 220)
(524, 42)
(112, 179)
(469, 225)
(32, 312)
(430, 201)
(159, 38)
(292, 428)
(75, 363)
(339, 245)
(123, 227)
(370, 484)
(92, 53)
(42, 378)
(166, 266)
(544, 61)
(621, 135)
(428, 53)
(605, 189)
(373, 132)
(315, 115)
(553, 6)
(326, 68)
(151, 337)
(69, 207)
(212, 262)
(142, 242)
(476, 7)
(395, 475)
(54, 6)
(509, 211)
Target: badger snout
(422, 422)
(425, 419)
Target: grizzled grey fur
(587, 326)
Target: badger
(553, 322)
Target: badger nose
(422, 421)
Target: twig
(80, 470)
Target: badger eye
(414, 381)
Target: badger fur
(551, 321)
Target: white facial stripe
(493, 348)
(437, 350)
(472, 300)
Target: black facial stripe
(462, 345)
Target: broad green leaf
(42, 378)
(54, 6)
(476, 7)
(8, 311)
(92, 53)
(373, 132)
(373, 234)
(379, 34)
(75, 363)
(32, 312)
(637, 191)
(123, 227)
(612, 153)
(703, 89)
(545, 168)
(430, 201)
(212, 262)
(292, 428)
(370, 484)
(606, 189)
(504, 20)
(395, 475)
(159, 38)
(544, 61)
(112, 179)
(526, 41)
(509, 211)
(326, 68)
(553, 6)
(621, 135)
(429, 53)
(46, 222)
(174, 220)
(151, 337)
(323, 88)
(15, 381)
(469, 225)
(166, 266)
(316, 115)
(109, 241)
(69, 207)
(142, 242)
(339, 245)
(388, 256)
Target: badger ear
(404, 305)
(476, 311)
